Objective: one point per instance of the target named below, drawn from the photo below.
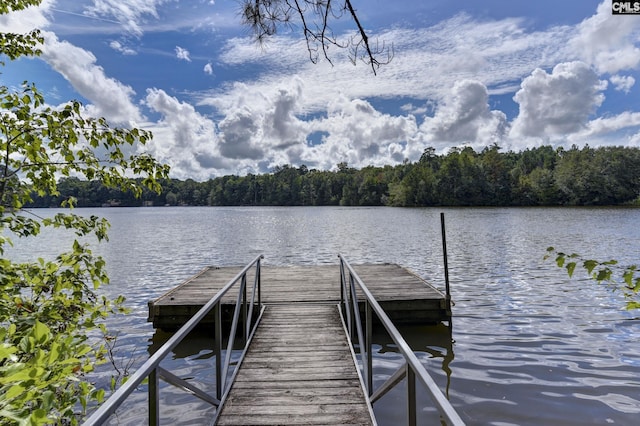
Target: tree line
(543, 176)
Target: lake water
(528, 345)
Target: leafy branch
(624, 278)
(51, 311)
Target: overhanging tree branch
(314, 16)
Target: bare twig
(264, 17)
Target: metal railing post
(342, 285)
(232, 334)
(368, 345)
(358, 329)
(151, 368)
(245, 316)
(258, 277)
(411, 396)
(413, 368)
(154, 405)
(217, 348)
(353, 325)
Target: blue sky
(474, 73)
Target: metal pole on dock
(446, 263)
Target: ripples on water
(531, 346)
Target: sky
(515, 73)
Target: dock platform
(299, 369)
(405, 297)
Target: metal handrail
(412, 369)
(151, 368)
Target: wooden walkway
(299, 369)
(405, 297)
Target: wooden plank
(349, 418)
(289, 377)
(293, 385)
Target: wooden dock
(299, 369)
(405, 297)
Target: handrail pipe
(151, 368)
(413, 370)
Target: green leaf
(603, 275)
(99, 395)
(47, 400)
(54, 352)
(590, 265)
(38, 417)
(14, 391)
(6, 351)
(633, 305)
(41, 332)
(571, 266)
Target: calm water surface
(528, 346)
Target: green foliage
(608, 272)
(15, 45)
(51, 313)
(462, 177)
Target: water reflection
(433, 345)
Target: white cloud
(360, 135)
(608, 42)
(26, 20)
(456, 64)
(622, 83)
(241, 135)
(415, 110)
(427, 62)
(558, 103)
(183, 138)
(603, 126)
(195, 147)
(634, 140)
(109, 98)
(118, 47)
(182, 54)
(445, 74)
(268, 130)
(464, 117)
(131, 14)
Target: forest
(542, 176)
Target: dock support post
(411, 396)
(154, 405)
